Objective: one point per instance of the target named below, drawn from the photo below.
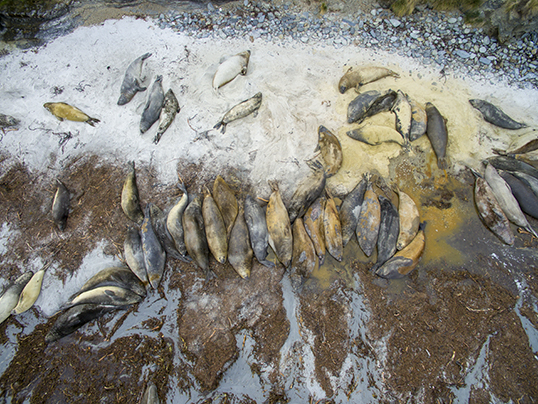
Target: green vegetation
(24, 6)
(525, 8)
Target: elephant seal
(174, 220)
(313, 223)
(528, 147)
(495, 116)
(8, 122)
(369, 220)
(154, 105)
(509, 163)
(333, 229)
(62, 111)
(304, 257)
(150, 395)
(437, 133)
(74, 318)
(215, 229)
(194, 235)
(154, 253)
(231, 68)
(239, 111)
(168, 113)
(404, 261)
(528, 201)
(490, 211)
(226, 201)
(106, 296)
(257, 229)
(350, 210)
(419, 120)
(375, 135)
(134, 254)
(279, 227)
(409, 220)
(358, 108)
(331, 151)
(158, 221)
(60, 206)
(240, 251)
(308, 190)
(131, 82)
(359, 76)
(507, 200)
(30, 293)
(11, 296)
(402, 110)
(389, 229)
(130, 201)
(121, 277)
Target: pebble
(435, 38)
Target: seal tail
(92, 121)
(442, 163)
(267, 263)
(221, 125)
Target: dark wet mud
(453, 330)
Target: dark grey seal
(154, 105)
(350, 210)
(495, 116)
(389, 229)
(154, 254)
(257, 228)
(437, 133)
(60, 206)
(528, 201)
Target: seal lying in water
(62, 111)
(154, 105)
(241, 110)
(154, 253)
(304, 258)
(495, 116)
(131, 82)
(231, 68)
(359, 76)
(30, 293)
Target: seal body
(134, 254)
(389, 228)
(132, 79)
(106, 296)
(508, 163)
(402, 110)
(130, 201)
(308, 190)
(369, 220)
(240, 251)
(527, 199)
(74, 318)
(215, 229)
(409, 220)
(231, 68)
(62, 111)
(154, 254)
(150, 395)
(279, 227)
(158, 221)
(304, 258)
(257, 229)
(121, 277)
(375, 135)
(313, 223)
(169, 111)
(7, 121)
(419, 120)
(491, 212)
(241, 110)
(358, 108)
(60, 206)
(507, 200)
(174, 220)
(350, 210)
(11, 296)
(495, 115)
(154, 105)
(195, 239)
(404, 261)
(359, 76)
(333, 229)
(331, 151)
(226, 202)
(30, 293)
(437, 133)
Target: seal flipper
(220, 125)
(92, 121)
